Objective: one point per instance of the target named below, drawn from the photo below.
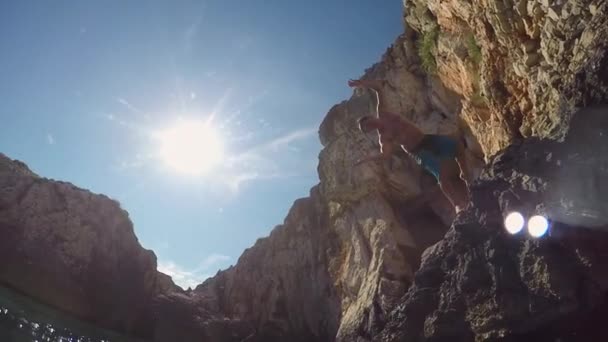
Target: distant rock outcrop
(75, 251)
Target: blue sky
(88, 85)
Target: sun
(191, 147)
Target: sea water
(25, 320)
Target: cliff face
(75, 251)
(346, 255)
(521, 66)
(495, 73)
(349, 262)
(480, 283)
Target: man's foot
(460, 208)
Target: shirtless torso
(398, 131)
(443, 156)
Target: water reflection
(25, 320)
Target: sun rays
(191, 147)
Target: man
(442, 156)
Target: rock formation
(522, 66)
(480, 283)
(496, 74)
(371, 254)
(75, 251)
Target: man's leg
(452, 185)
(461, 159)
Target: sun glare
(191, 147)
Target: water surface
(23, 319)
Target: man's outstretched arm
(371, 84)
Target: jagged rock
(75, 251)
(343, 257)
(350, 250)
(283, 282)
(571, 37)
(364, 208)
(480, 283)
(185, 317)
(593, 9)
(327, 271)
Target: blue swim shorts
(432, 150)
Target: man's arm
(386, 151)
(371, 84)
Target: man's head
(368, 123)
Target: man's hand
(372, 84)
(355, 83)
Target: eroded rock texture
(480, 283)
(75, 251)
(504, 72)
(522, 66)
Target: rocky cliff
(75, 251)
(480, 283)
(501, 75)
(372, 254)
(521, 66)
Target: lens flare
(514, 222)
(538, 226)
(191, 147)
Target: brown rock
(552, 13)
(593, 9)
(532, 59)
(76, 251)
(530, 45)
(480, 283)
(359, 236)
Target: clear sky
(90, 92)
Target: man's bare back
(399, 131)
(443, 156)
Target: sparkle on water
(24, 320)
(538, 226)
(514, 222)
